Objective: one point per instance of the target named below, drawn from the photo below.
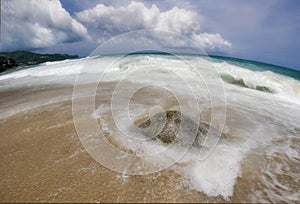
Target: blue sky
(266, 31)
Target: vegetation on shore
(11, 60)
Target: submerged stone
(172, 126)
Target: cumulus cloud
(38, 24)
(137, 16)
(211, 42)
(109, 21)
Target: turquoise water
(258, 66)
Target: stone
(172, 126)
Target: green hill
(10, 60)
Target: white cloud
(211, 42)
(35, 24)
(109, 21)
(137, 16)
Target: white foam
(214, 176)
(284, 87)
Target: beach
(44, 158)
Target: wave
(258, 80)
(240, 82)
(264, 81)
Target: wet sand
(42, 160)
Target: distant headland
(11, 60)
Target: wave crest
(240, 82)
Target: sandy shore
(43, 160)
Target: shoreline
(42, 158)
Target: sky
(266, 31)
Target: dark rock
(172, 126)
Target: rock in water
(172, 126)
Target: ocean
(77, 118)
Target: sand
(43, 160)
